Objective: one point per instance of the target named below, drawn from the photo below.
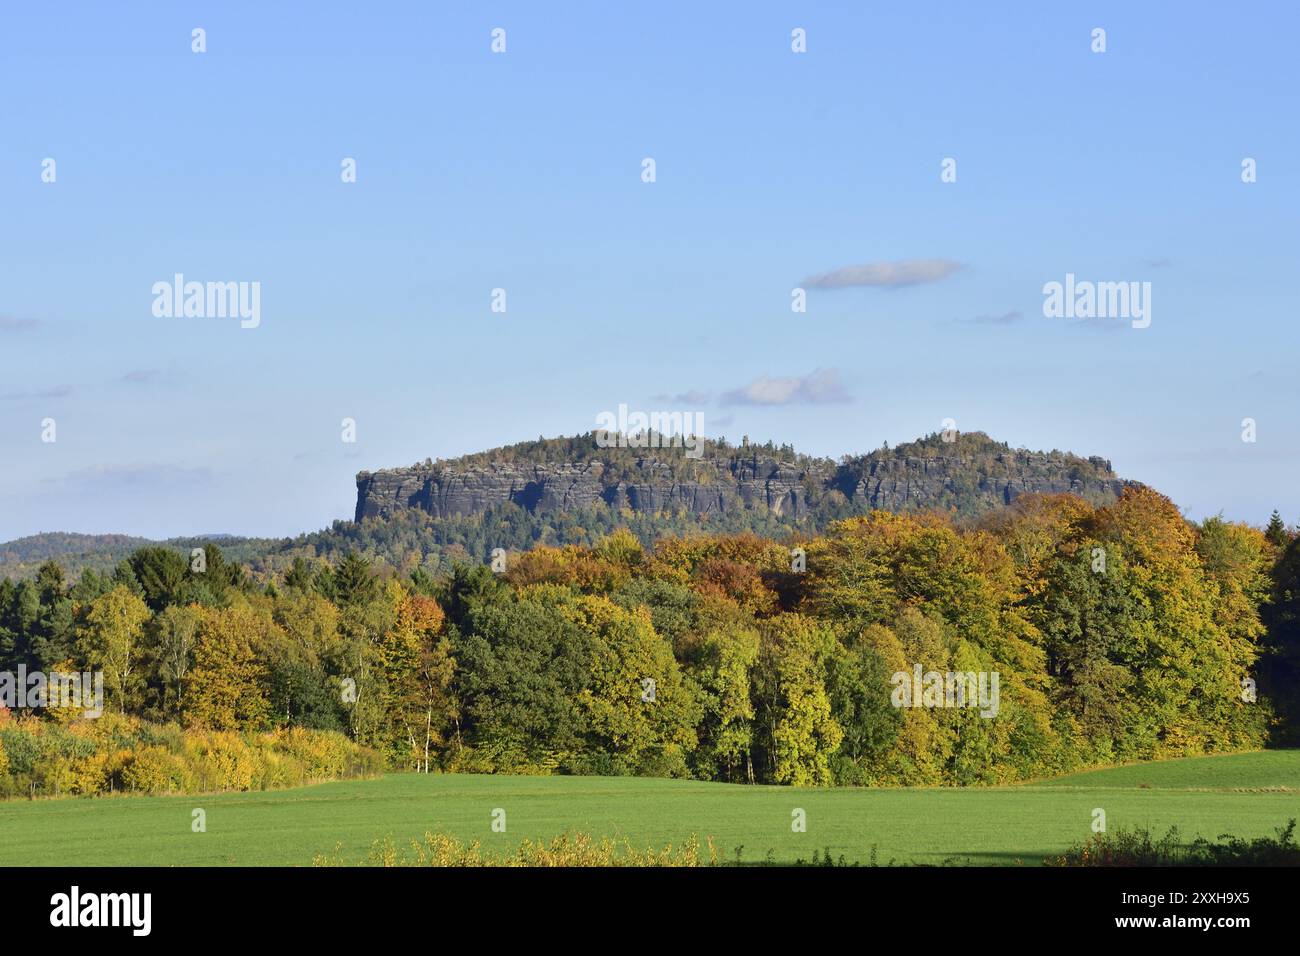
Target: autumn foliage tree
(109, 639)
(226, 688)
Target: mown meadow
(1248, 795)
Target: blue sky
(522, 171)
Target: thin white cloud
(819, 387)
(9, 323)
(692, 397)
(59, 391)
(1005, 318)
(102, 478)
(887, 275)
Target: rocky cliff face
(653, 485)
(911, 483)
(972, 475)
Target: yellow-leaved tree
(109, 639)
(225, 689)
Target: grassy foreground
(1247, 795)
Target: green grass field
(1247, 795)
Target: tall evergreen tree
(1276, 531)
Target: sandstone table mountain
(572, 491)
(970, 475)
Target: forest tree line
(1118, 633)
